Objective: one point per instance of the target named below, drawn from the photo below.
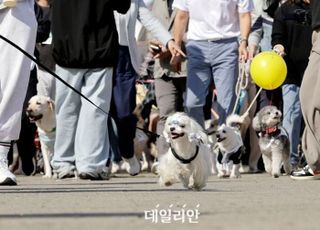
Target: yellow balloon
(268, 70)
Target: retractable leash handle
(63, 81)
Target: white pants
(19, 25)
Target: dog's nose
(218, 135)
(172, 129)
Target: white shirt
(213, 19)
(121, 24)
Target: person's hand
(175, 49)
(252, 49)
(175, 63)
(279, 49)
(158, 50)
(243, 52)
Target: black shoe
(65, 175)
(104, 175)
(304, 174)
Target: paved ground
(252, 202)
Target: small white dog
(41, 111)
(188, 158)
(273, 140)
(229, 147)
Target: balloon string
(252, 102)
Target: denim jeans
(211, 61)
(82, 140)
(292, 118)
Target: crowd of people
(198, 47)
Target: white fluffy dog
(41, 111)
(229, 147)
(273, 140)
(188, 158)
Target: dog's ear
(198, 137)
(197, 133)
(256, 124)
(166, 135)
(50, 103)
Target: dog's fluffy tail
(235, 120)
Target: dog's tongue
(33, 119)
(176, 135)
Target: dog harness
(224, 158)
(48, 138)
(182, 160)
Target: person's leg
(310, 107)
(91, 137)
(199, 78)
(25, 144)
(67, 114)
(255, 152)
(14, 72)
(46, 84)
(292, 119)
(169, 93)
(124, 95)
(15, 67)
(225, 74)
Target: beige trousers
(310, 106)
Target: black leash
(66, 83)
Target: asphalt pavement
(255, 201)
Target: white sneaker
(133, 166)
(155, 168)
(6, 177)
(118, 167)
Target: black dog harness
(233, 156)
(182, 160)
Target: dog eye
(38, 103)
(268, 113)
(223, 131)
(182, 126)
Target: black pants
(26, 146)
(124, 99)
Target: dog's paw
(221, 175)
(47, 176)
(235, 176)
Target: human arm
(179, 30)
(278, 35)
(44, 24)
(255, 35)
(245, 25)
(154, 26)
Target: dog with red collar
(273, 140)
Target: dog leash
(241, 85)
(66, 83)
